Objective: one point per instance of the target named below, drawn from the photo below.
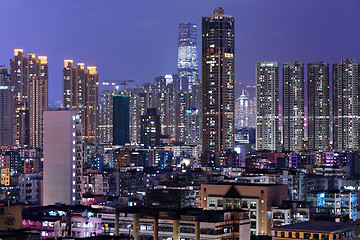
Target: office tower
(7, 107)
(267, 109)
(63, 157)
(121, 119)
(192, 127)
(187, 56)
(319, 106)
(243, 110)
(346, 105)
(293, 106)
(80, 91)
(150, 128)
(30, 78)
(218, 81)
(106, 117)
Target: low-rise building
(313, 230)
(335, 203)
(30, 188)
(257, 199)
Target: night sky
(138, 39)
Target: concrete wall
(58, 156)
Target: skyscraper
(80, 91)
(243, 110)
(218, 73)
(38, 98)
(183, 101)
(121, 119)
(346, 105)
(319, 106)
(106, 117)
(63, 157)
(7, 107)
(293, 106)
(91, 103)
(187, 56)
(30, 78)
(267, 93)
(165, 103)
(150, 128)
(192, 127)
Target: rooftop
(312, 226)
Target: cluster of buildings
(170, 159)
(332, 122)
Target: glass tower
(187, 56)
(121, 119)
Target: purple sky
(138, 39)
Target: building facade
(192, 127)
(121, 119)
(319, 106)
(80, 91)
(293, 106)
(346, 105)
(188, 64)
(257, 199)
(218, 76)
(267, 93)
(7, 108)
(30, 79)
(106, 117)
(243, 110)
(63, 158)
(150, 128)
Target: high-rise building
(346, 105)
(134, 116)
(106, 117)
(267, 94)
(150, 128)
(30, 78)
(192, 127)
(80, 91)
(319, 106)
(293, 106)
(121, 119)
(183, 101)
(63, 157)
(38, 98)
(218, 73)
(187, 56)
(7, 107)
(165, 102)
(243, 110)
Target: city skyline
(86, 44)
(152, 141)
